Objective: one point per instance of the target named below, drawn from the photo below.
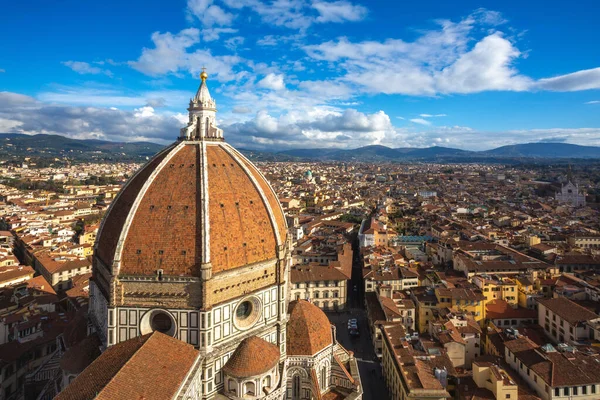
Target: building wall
(327, 295)
(559, 329)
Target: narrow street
(362, 346)
(368, 364)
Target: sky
(306, 73)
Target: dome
(254, 356)
(196, 202)
(308, 329)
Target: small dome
(308, 329)
(254, 356)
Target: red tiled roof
(167, 228)
(308, 329)
(151, 367)
(500, 309)
(568, 310)
(254, 356)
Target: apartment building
(564, 320)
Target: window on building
(249, 388)
(575, 391)
(566, 391)
(557, 392)
(584, 390)
(296, 387)
(593, 387)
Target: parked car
(352, 323)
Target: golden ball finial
(203, 75)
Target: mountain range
(14, 145)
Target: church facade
(570, 194)
(194, 255)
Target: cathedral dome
(254, 356)
(308, 329)
(198, 202)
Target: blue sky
(305, 73)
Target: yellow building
(527, 294)
(88, 237)
(462, 299)
(494, 287)
(490, 376)
(425, 302)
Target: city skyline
(299, 74)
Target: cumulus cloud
(420, 121)
(272, 81)
(170, 56)
(488, 66)
(86, 68)
(453, 58)
(208, 13)
(23, 114)
(320, 127)
(316, 127)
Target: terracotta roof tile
(151, 367)
(240, 227)
(166, 230)
(308, 329)
(119, 209)
(253, 356)
(568, 310)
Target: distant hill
(55, 146)
(14, 144)
(546, 150)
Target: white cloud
(339, 11)
(420, 121)
(107, 96)
(580, 80)
(211, 34)
(208, 13)
(316, 127)
(319, 127)
(272, 81)
(2, 70)
(488, 66)
(453, 58)
(592, 102)
(432, 115)
(234, 42)
(85, 68)
(170, 55)
(143, 112)
(23, 114)
(300, 14)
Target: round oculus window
(247, 312)
(244, 310)
(161, 322)
(158, 321)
